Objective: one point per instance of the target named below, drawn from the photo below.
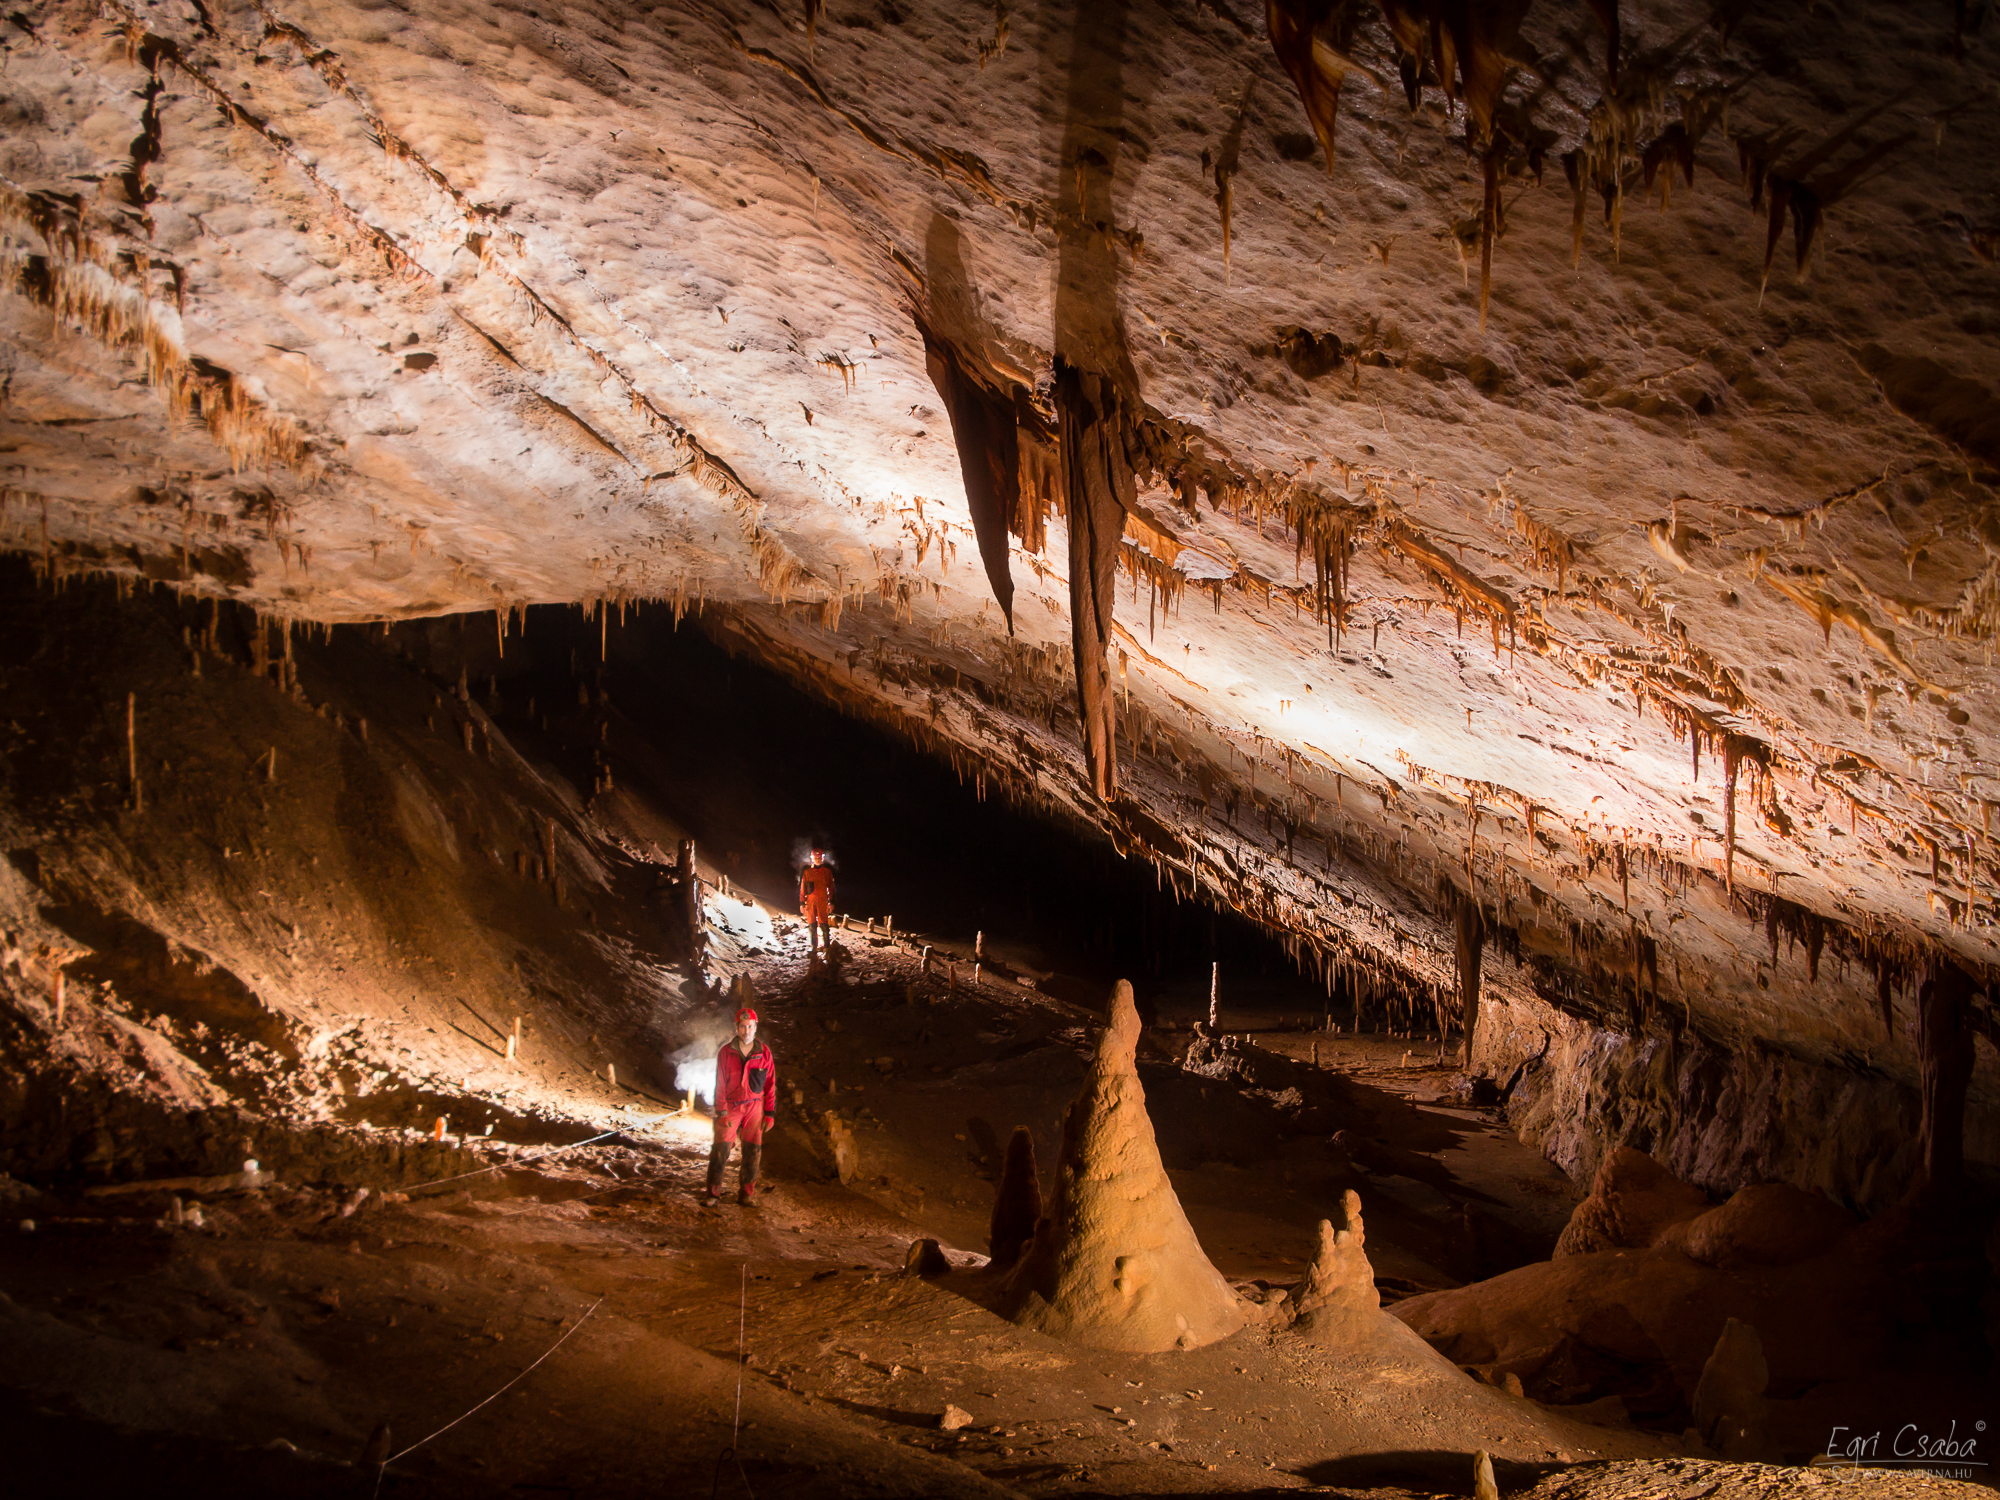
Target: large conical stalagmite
(1115, 1263)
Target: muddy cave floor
(263, 1349)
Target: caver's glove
(769, 1121)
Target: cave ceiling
(1531, 456)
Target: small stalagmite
(1018, 1207)
(1729, 1406)
(1114, 1264)
(1338, 1303)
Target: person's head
(746, 1026)
(818, 855)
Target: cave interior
(1382, 613)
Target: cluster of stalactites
(1643, 132)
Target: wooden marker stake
(132, 750)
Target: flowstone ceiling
(1523, 470)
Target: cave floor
(268, 1344)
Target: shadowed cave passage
(754, 769)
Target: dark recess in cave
(756, 768)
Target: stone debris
(954, 1417)
(925, 1258)
(229, 1182)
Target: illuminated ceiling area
(1423, 476)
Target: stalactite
(1099, 488)
(1489, 225)
(1730, 761)
(983, 425)
(1469, 940)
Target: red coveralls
(746, 1095)
(816, 901)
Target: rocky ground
(270, 1342)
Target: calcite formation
(1017, 1207)
(1338, 1303)
(1047, 385)
(1114, 1262)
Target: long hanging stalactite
(1099, 488)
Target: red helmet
(746, 1014)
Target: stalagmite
(1114, 1263)
(1469, 926)
(1338, 1303)
(1484, 1485)
(1729, 1407)
(132, 750)
(1017, 1208)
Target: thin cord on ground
(497, 1394)
(500, 1166)
(742, 1321)
(729, 1454)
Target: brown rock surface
(1643, 1323)
(1766, 1224)
(1114, 1262)
(1632, 1202)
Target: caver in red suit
(816, 898)
(746, 1105)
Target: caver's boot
(748, 1186)
(718, 1163)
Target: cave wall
(255, 956)
(1719, 1113)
